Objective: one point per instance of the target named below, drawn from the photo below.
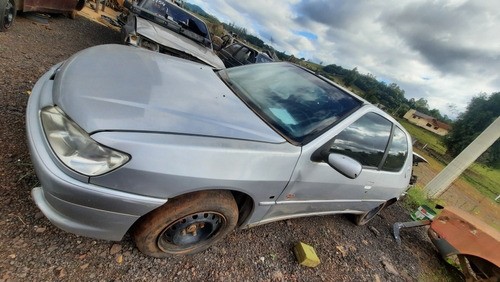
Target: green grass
(416, 197)
(432, 140)
(485, 179)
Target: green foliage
(416, 197)
(335, 70)
(351, 77)
(480, 113)
(484, 178)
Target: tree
(480, 113)
(351, 77)
(421, 105)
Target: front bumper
(65, 197)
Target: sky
(444, 51)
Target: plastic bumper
(65, 197)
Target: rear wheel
(478, 269)
(8, 12)
(363, 219)
(72, 15)
(186, 225)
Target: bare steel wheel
(186, 225)
(190, 230)
(363, 219)
(7, 14)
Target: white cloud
(444, 51)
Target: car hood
(122, 88)
(171, 39)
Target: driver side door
(317, 188)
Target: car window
(233, 48)
(398, 151)
(243, 54)
(263, 58)
(295, 102)
(164, 8)
(365, 140)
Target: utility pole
(452, 171)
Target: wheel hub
(190, 230)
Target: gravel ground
(32, 249)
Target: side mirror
(127, 4)
(347, 166)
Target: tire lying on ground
(363, 219)
(8, 12)
(187, 224)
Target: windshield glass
(294, 101)
(263, 58)
(164, 8)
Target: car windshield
(263, 58)
(295, 102)
(164, 8)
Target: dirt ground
(32, 249)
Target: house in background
(427, 122)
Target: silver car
(162, 26)
(180, 154)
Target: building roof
(432, 120)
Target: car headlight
(74, 147)
(143, 42)
(148, 44)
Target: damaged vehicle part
(162, 26)
(455, 232)
(9, 8)
(238, 54)
(180, 154)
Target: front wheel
(186, 225)
(363, 219)
(8, 12)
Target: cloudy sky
(443, 51)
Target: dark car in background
(9, 8)
(238, 54)
(162, 26)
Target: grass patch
(416, 197)
(485, 179)
(432, 140)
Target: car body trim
(279, 218)
(314, 201)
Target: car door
(317, 188)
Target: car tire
(8, 12)
(73, 14)
(362, 219)
(187, 224)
